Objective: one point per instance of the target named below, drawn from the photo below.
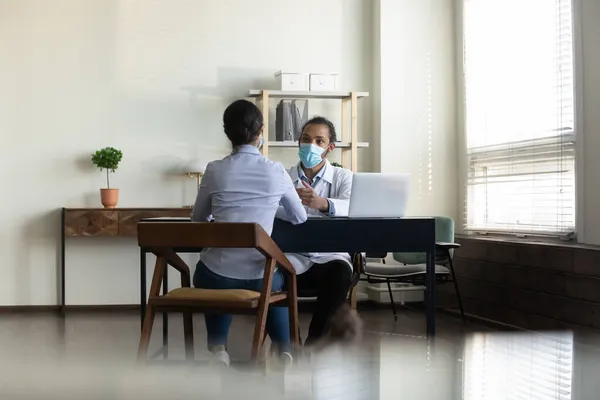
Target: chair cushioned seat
(400, 270)
(213, 294)
(218, 298)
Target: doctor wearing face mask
(324, 190)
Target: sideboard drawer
(113, 222)
(92, 223)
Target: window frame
(461, 117)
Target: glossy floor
(91, 356)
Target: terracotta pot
(109, 197)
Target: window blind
(518, 366)
(519, 116)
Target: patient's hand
(311, 199)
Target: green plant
(335, 164)
(107, 159)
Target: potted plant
(108, 159)
(336, 164)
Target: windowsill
(537, 241)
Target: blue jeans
(217, 325)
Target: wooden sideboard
(112, 221)
(105, 222)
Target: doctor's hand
(311, 199)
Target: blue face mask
(260, 143)
(310, 154)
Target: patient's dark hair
(322, 121)
(242, 122)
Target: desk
(352, 235)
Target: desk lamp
(195, 169)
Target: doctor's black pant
(330, 283)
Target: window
(518, 366)
(519, 116)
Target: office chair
(411, 267)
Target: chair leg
(188, 333)
(294, 326)
(272, 351)
(353, 298)
(146, 333)
(259, 331)
(460, 305)
(293, 340)
(392, 299)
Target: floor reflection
(519, 366)
(95, 359)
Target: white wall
(416, 91)
(151, 78)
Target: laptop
(382, 195)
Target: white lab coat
(335, 185)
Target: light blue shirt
(245, 187)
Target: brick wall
(531, 285)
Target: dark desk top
(310, 219)
(351, 235)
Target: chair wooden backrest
(163, 238)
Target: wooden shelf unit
(349, 143)
(338, 145)
(295, 94)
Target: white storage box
(402, 292)
(323, 82)
(292, 80)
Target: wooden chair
(411, 266)
(164, 238)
